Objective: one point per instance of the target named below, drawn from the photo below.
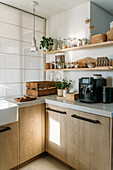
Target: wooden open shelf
(81, 69)
(107, 43)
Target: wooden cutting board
(23, 99)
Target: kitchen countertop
(101, 109)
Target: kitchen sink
(8, 112)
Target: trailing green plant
(46, 42)
(63, 84)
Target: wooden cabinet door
(56, 131)
(90, 141)
(32, 131)
(8, 146)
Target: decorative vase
(110, 34)
(60, 92)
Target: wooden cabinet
(8, 146)
(56, 132)
(31, 131)
(90, 141)
(84, 139)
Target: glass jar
(51, 65)
(64, 44)
(74, 42)
(54, 47)
(59, 45)
(72, 65)
(69, 42)
(59, 65)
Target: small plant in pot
(62, 85)
(46, 43)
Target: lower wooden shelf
(82, 69)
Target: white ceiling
(47, 8)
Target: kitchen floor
(45, 163)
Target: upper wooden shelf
(107, 43)
(107, 68)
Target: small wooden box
(72, 96)
(98, 38)
(40, 88)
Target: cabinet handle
(57, 111)
(86, 119)
(5, 129)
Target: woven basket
(98, 38)
(110, 34)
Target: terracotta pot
(60, 92)
(110, 34)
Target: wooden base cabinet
(8, 146)
(32, 131)
(56, 132)
(91, 141)
(84, 138)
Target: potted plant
(46, 43)
(62, 85)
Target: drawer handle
(5, 129)
(57, 111)
(86, 119)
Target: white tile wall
(11, 61)
(12, 89)
(34, 75)
(18, 33)
(11, 76)
(34, 63)
(17, 63)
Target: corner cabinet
(8, 146)
(85, 139)
(31, 131)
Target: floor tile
(45, 163)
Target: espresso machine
(90, 89)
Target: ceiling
(47, 8)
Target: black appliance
(90, 89)
(107, 94)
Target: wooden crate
(40, 88)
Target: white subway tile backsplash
(18, 33)
(11, 76)
(9, 15)
(10, 46)
(11, 61)
(34, 75)
(11, 89)
(9, 31)
(27, 22)
(34, 63)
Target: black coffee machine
(90, 89)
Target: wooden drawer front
(9, 147)
(90, 141)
